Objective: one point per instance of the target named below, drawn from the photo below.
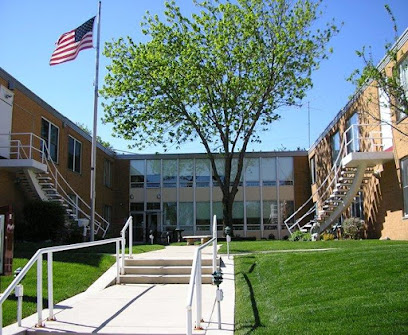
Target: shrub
(42, 221)
(328, 236)
(300, 236)
(352, 228)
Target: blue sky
(30, 29)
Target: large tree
(220, 76)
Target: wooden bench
(192, 239)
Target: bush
(352, 228)
(328, 236)
(300, 236)
(42, 221)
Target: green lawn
(74, 272)
(358, 287)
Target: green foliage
(389, 83)
(99, 139)
(42, 221)
(300, 236)
(352, 228)
(327, 236)
(220, 76)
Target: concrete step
(160, 279)
(165, 262)
(164, 270)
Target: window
(153, 206)
(352, 134)
(203, 216)
(74, 154)
(107, 213)
(287, 208)
(252, 172)
(268, 169)
(404, 175)
(218, 212)
(107, 173)
(403, 74)
(285, 170)
(153, 173)
(357, 206)
(137, 173)
(169, 173)
(202, 167)
(186, 172)
(234, 171)
(238, 215)
(335, 147)
(220, 165)
(50, 135)
(170, 215)
(136, 206)
(186, 215)
(270, 215)
(313, 169)
(253, 213)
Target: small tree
(221, 76)
(352, 228)
(391, 83)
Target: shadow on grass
(255, 311)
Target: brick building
(359, 164)
(358, 167)
(162, 192)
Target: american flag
(72, 42)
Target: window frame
(107, 173)
(48, 139)
(74, 157)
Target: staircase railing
(196, 280)
(38, 258)
(31, 146)
(128, 225)
(61, 184)
(354, 139)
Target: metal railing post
(122, 271)
(117, 263)
(50, 287)
(214, 260)
(130, 236)
(1, 319)
(39, 291)
(198, 292)
(189, 321)
(31, 145)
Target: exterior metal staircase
(38, 175)
(351, 169)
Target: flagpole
(95, 122)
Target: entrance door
(139, 227)
(153, 226)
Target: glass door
(139, 228)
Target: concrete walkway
(139, 308)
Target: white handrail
(38, 257)
(196, 280)
(128, 224)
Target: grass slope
(74, 271)
(358, 288)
